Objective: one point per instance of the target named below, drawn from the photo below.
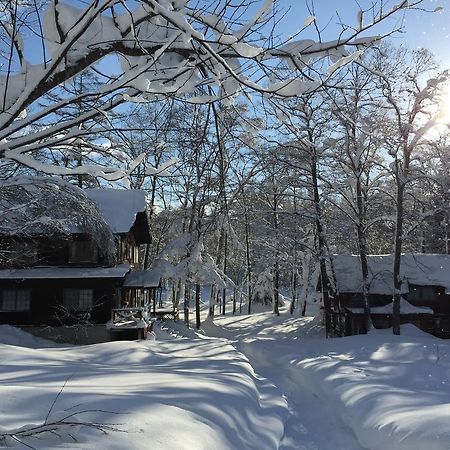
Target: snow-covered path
(266, 341)
(312, 423)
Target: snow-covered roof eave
(143, 279)
(43, 273)
(406, 309)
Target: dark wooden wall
(47, 298)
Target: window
(422, 295)
(78, 299)
(136, 254)
(15, 300)
(83, 252)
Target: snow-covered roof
(420, 269)
(33, 205)
(119, 207)
(149, 278)
(38, 273)
(406, 308)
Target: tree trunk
(294, 291)
(397, 258)
(326, 285)
(304, 308)
(247, 258)
(362, 246)
(197, 306)
(446, 234)
(276, 265)
(212, 300)
(234, 300)
(187, 294)
(150, 218)
(294, 260)
(276, 288)
(225, 256)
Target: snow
(246, 50)
(15, 336)
(43, 273)
(293, 86)
(44, 206)
(376, 391)
(183, 389)
(405, 309)
(184, 257)
(119, 207)
(391, 391)
(167, 394)
(419, 269)
(343, 61)
(143, 279)
(308, 21)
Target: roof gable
(119, 207)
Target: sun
(443, 113)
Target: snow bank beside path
(173, 394)
(392, 391)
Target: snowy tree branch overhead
(141, 49)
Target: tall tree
(355, 150)
(410, 100)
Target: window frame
(417, 295)
(16, 300)
(88, 255)
(83, 303)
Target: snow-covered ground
(377, 391)
(165, 394)
(199, 391)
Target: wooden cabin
(425, 291)
(65, 252)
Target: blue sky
(421, 29)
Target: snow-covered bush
(263, 288)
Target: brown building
(425, 299)
(65, 253)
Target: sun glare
(443, 114)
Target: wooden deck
(165, 313)
(129, 323)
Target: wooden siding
(47, 300)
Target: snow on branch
(160, 47)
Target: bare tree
(355, 149)
(205, 51)
(410, 102)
